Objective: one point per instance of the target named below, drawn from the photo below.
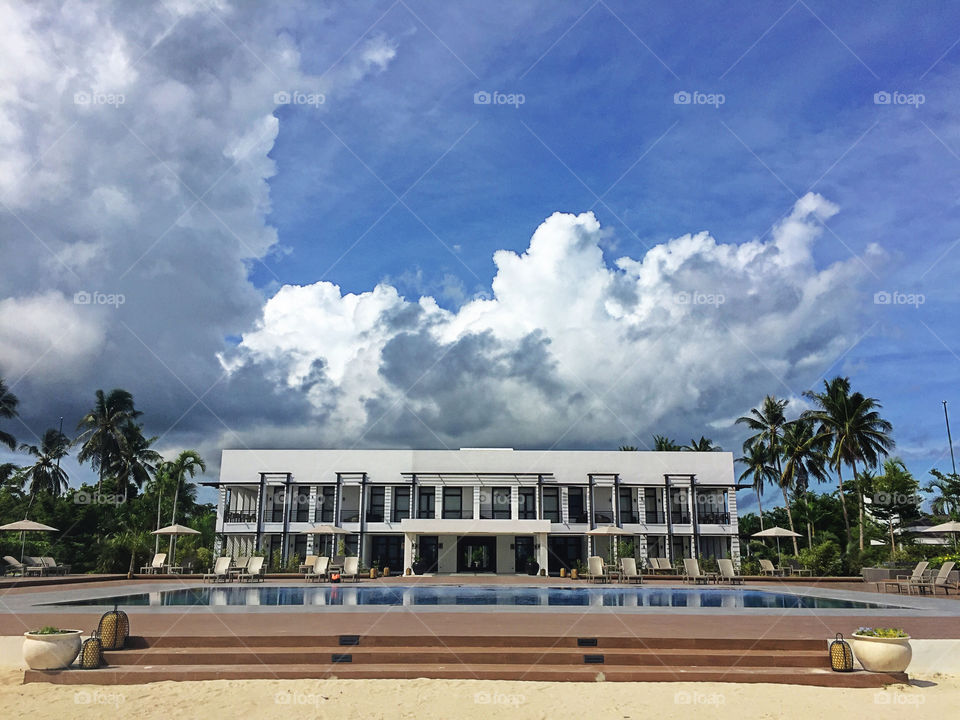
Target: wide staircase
(583, 659)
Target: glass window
(575, 505)
(426, 503)
(653, 507)
(401, 503)
(628, 506)
(501, 503)
(300, 505)
(528, 504)
(325, 502)
(452, 503)
(377, 497)
(551, 504)
(679, 512)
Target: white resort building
(477, 510)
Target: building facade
(476, 510)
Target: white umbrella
(609, 530)
(948, 527)
(776, 532)
(326, 529)
(175, 530)
(24, 526)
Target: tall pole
(946, 417)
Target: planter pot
(408, 571)
(419, 568)
(532, 568)
(51, 652)
(563, 572)
(574, 574)
(373, 573)
(386, 572)
(882, 654)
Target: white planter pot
(51, 652)
(882, 654)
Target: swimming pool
(476, 595)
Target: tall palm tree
(188, 462)
(102, 430)
(947, 502)
(135, 461)
(758, 470)
(704, 444)
(805, 458)
(662, 443)
(856, 429)
(767, 422)
(46, 475)
(8, 411)
(628, 448)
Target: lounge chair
(351, 568)
(628, 571)
(253, 572)
(663, 565)
(307, 565)
(221, 570)
(796, 568)
(768, 569)
(727, 572)
(36, 562)
(691, 572)
(903, 581)
(595, 571)
(320, 569)
(52, 567)
(156, 565)
(942, 580)
(17, 567)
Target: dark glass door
(523, 552)
(563, 552)
(387, 551)
(476, 554)
(428, 548)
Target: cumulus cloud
(570, 348)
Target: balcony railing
(713, 518)
(680, 517)
(603, 517)
(580, 517)
(629, 516)
(240, 516)
(655, 517)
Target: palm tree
(704, 444)
(136, 461)
(857, 432)
(102, 430)
(187, 463)
(8, 410)
(767, 422)
(628, 448)
(804, 458)
(759, 470)
(948, 501)
(46, 475)
(661, 443)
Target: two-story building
(476, 510)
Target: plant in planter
(374, 570)
(50, 648)
(882, 649)
(419, 566)
(476, 558)
(532, 566)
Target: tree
(628, 448)
(767, 422)
(758, 470)
(102, 430)
(948, 501)
(8, 411)
(46, 475)
(661, 443)
(857, 432)
(704, 444)
(135, 460)
(804, 458)
(188, 462)
(895, 496)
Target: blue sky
(399, 178)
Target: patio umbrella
(776, 532)
(327, 529)
(174, 531)
(952, 527)
(609, 531)
(23, 527)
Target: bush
(749, 566)
(824, 559)
(203, 557)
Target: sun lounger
(307, 565)
(663, 565)
(727, 572)
(156, 565)
(320, 569)
(253, 572)
(903, 581)
(36, 562)
(53, 568)
(796, 568)
(17, 567)
(628, 571)
(221, 570)
(940, 581)
(595, 571)
(691, 572)
(351, 568)
(767, 568)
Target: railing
(240, 516)
(630, 516)
(713, 518)
(655, 517)
(680, 517)
(604, 517)
(580, 517)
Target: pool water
(459, 595)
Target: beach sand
(936, 696)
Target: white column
(542, 557)
(564, 509)
(514, 502)
(476, 500)
(408, 554)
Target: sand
(935, 697)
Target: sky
(440, 225)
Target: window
(628, 506)
(377, 497)
(528, 504)
(575, 505)
(452, 503)
(276, 511)
(325, 502)
(679, 512)
(653, 507)
(300, 506)
(551, 504)
(401, 503)
(501, 503)
(426, 501)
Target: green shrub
(824, 559)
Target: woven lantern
(114, 629)
(91, 653)
(841, 656)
